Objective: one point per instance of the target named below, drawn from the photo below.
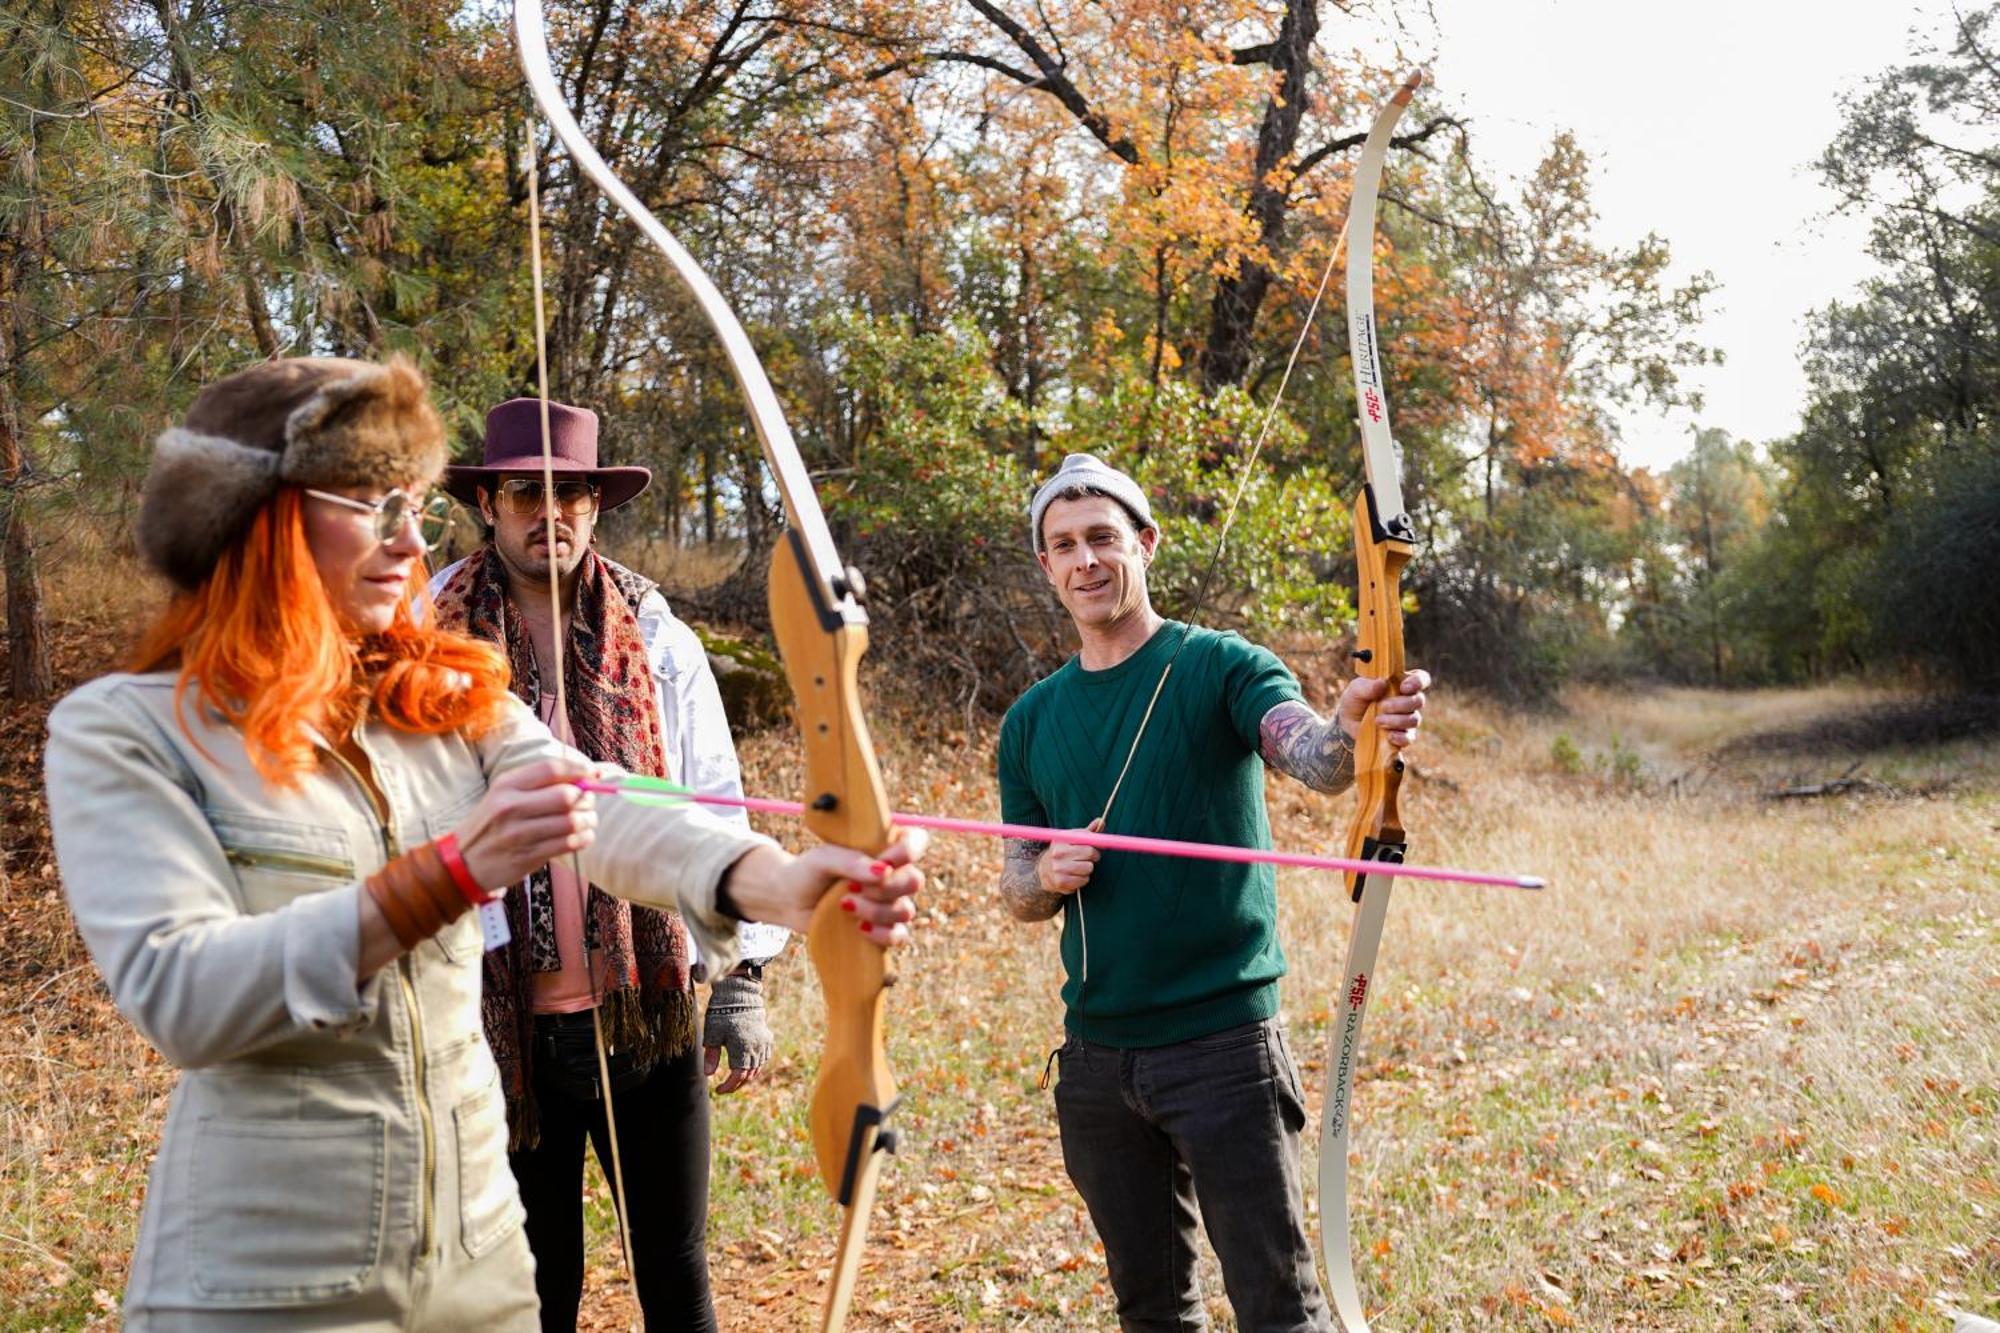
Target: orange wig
(260, 644)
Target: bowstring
(562, 697)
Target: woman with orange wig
(273, 830)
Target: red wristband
(454, 864)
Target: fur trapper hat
(311, 421)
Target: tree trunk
(253, 292)
(28, 674)
(1233, 311)
(757, 532)
(708, 489)
(1708, 568)
(669, 494)
(1162, 306)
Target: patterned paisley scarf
(648, 1003)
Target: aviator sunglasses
(523, 495)
(432, 513)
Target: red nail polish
(847, 904)
(867, 927)
(880, 869)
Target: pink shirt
(569, 990)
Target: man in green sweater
(1176, 1080)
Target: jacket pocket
(489, 1204)
(460, 940)
(287, 1212)
(277, 860)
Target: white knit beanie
(1088, 471)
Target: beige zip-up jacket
(334, 1154)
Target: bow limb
(822, 633)
(1384, 540)
(780, 450)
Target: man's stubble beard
(1133, 602)
(526, 565)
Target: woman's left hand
(769, 885)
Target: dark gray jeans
(1144, 1131)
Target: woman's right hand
(530, 816)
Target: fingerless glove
(735, 1021)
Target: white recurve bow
(1383, 542)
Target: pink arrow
(1114, 842)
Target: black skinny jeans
(1144, 1130)
(663, 1146)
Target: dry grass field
(1737, 1068)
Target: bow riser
(845, 804)
(1378, 652)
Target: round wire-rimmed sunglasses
(432, 513)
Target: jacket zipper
(405, 977)
(423, 1109)
(304, 863)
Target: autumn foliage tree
(966, 239)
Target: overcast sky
(1702, 119)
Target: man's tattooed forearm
(1301, 744)
(1021, 884)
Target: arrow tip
(1409, 88)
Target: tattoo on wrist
(1301, 744)
(1021, 882)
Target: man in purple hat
(640, 694)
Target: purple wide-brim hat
(514, 445)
